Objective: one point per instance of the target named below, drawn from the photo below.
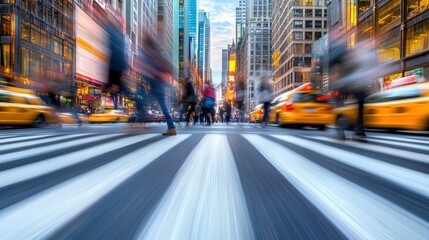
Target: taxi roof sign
(403, 81)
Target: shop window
(5, 58)
(5, 25)
(415, 7)
(389, 13)
(25, 62)
(308, 36)
(365, 29)
(417, 38)
(389, 47)
(363, 5)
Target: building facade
(255, 49)
(224, 67)
(38, 45)
(204, 46)
(399, 30)
(296, 26)
(193, 24)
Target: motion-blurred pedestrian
(189, 99)
(265, 96)
(209, 101)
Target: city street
(237, 181)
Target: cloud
(222, 25)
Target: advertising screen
(92, 51)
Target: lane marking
(41, 215)
(41, 141)
(402, 139)
(357, 212)
(21, 138)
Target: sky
(222, 24)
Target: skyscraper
(294, 32)
(224, 67)
(240, 20)
(255, 48)
(193, 24)
(204, 46)
(183, 38)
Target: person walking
(208, 102)
(265, 96)
(154, 68)
(228, 112)
(189, 100)
(239, 99)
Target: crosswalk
(213, 185)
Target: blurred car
(104, 116)
(83, 117)
(302, 106)
(23, 107)
(66, 118)
(256, 114)
(404, 107)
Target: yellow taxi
(108, 116)
(256, 114)
(66, 118)
(402, 107)
(22, 107)
(302, 106)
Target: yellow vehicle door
(374, 110)
(403, 110)
(13, 109)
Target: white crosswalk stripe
(206, 198)
(41, 150)
(424, 158)
(56, 206)
(416, 181)
(340, 200)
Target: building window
(297, 36)
(308, 2)
(35, 35)
(415, 7)
(364, 5)
(317, 35)
(35, 65)
(389, 13)
(318, 12)
(318, 24)
(298, 2)
(351, 13)
(297, 12)
(309, 24)
(297, 23)
(25, 30)
(5, 25)
(417, 38)
(58, 44)
(5, 58)
(308, 36)
(365, 29)
(308, 48)
(389, 47)
(68, 50)
(25, 62)
(45, 40)
(308, 12)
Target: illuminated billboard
(92, 50)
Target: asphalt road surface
(237, 181)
